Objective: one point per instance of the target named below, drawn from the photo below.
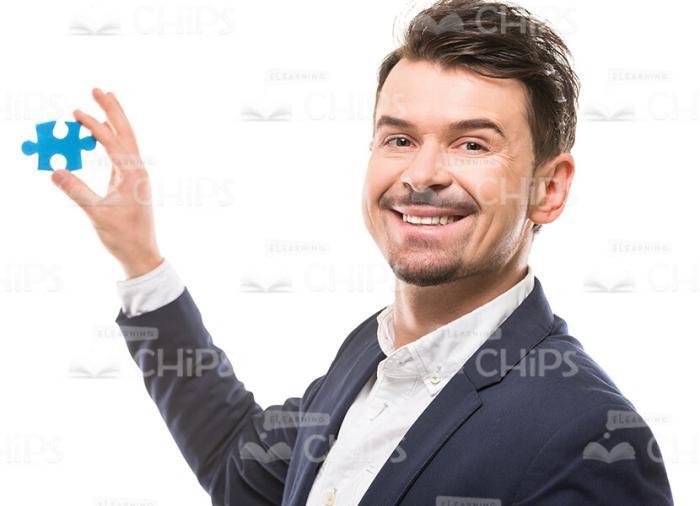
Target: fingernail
(60, 175)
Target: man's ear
(550, 188)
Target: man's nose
(427, 169)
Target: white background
(278, 202)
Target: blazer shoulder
(554, 382)
(575, 374)
(590, 436)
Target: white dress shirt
(407, 380)
(150, 291)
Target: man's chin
(429, 274)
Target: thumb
(75, 188)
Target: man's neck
(420, 310)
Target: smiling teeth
(429, 220)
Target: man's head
(475, 115)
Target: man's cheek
(485, 190)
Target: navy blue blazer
(530, 419)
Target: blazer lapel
(529, 323)
(336, 395)
(452, 406)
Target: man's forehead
(420, 89)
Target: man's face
(476, 174)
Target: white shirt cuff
(150, 291)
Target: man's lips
(433, 230)
(429, 211)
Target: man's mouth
(428, 216)
(430, 220)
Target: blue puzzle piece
(70, 146)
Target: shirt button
(435, 378)
(330, 497)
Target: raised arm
(239, 452)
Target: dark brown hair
(500, 40)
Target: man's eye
(403, 142)
(473, 146)
(399, 139)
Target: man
(465, 390)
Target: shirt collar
(438, 355)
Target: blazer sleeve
(590, 461)
(239, 452)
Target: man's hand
(123, 218)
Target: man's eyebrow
(465, 124)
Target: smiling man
(467, 389)
(447, 194)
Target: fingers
(75, 188)
(114, 134)
(114, 111)
(101, 131)
(121, 156)
(106, 123)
